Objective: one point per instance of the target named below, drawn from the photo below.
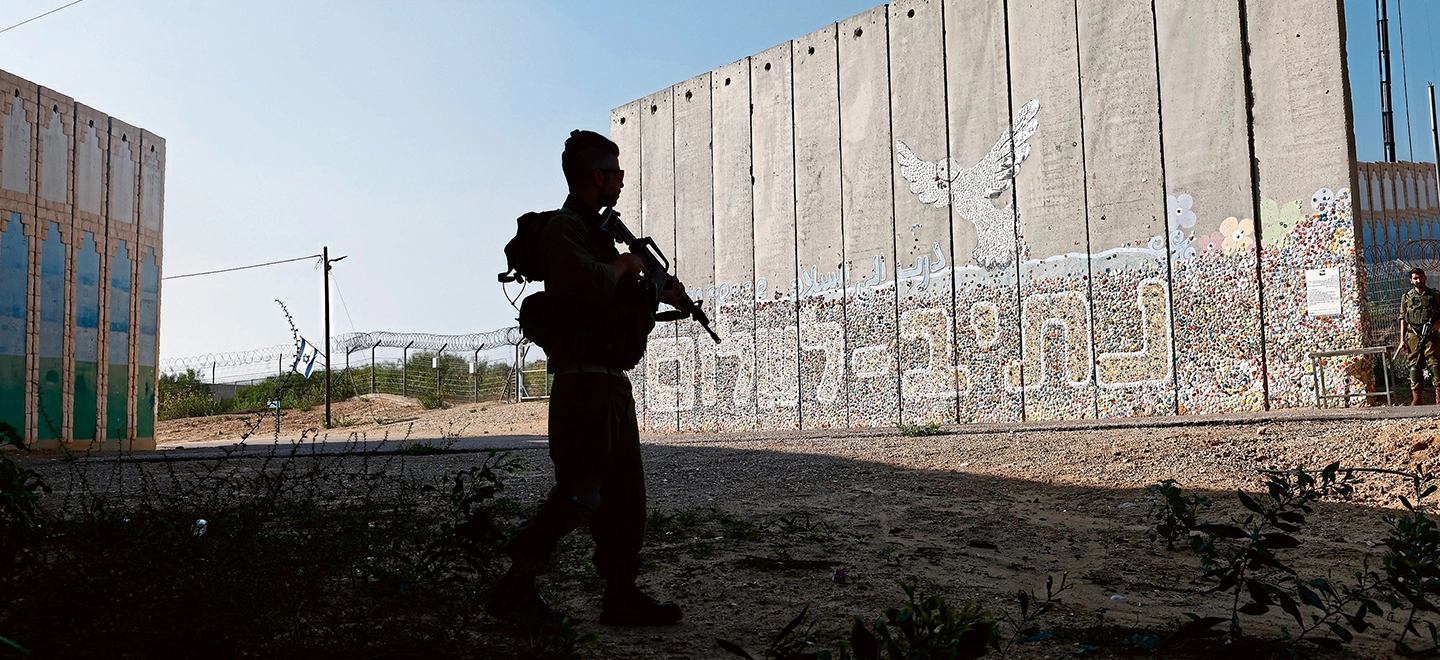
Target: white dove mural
(971, 190)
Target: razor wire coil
(480, 341)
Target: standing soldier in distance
(594, 436)
(1419, 313)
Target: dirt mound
(370, 417)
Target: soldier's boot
(1415, 396)
(515, 599)
(627, 605)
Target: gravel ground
(753, 528)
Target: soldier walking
(603, 315)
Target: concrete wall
(978, 210)
(81, 226)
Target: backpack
(522, 253)
(614, 335)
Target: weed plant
(276, 553)
(920, 430)
(1246, 557)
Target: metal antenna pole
(1387, 110)
(1434, 134)
(325, 259)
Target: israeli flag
(305, 358)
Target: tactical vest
(577, 331)
(1419, 307)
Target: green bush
(184, 395)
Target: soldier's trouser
(1432, 357)
(599, 477)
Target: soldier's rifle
(1419, 352)
(657, 271)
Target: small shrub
(925, 629)
(795, 642)
(1246, 558)
(426, 448)
(919, 430)
(20, 490)
(1173, 511)
(431, 400)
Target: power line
(342, 300)
(1405, 80)
(12, 27)
(227, 270)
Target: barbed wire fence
(1387, 277)
(484, 366)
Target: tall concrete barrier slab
(625, 132)
(1056, 372)
(777, 338)
(867, 206)
(987, 322)
(819, 222)
(1304, 156)
(669, 373)
(728, 369)
(924, 282)
(694, 257)
(1214, 290)
(1130, 245)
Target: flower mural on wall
(1213, 244)
(1238, 234)
(1276, 222)
(1181, 215)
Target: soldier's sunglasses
(619, 174)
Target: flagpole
(325, 258)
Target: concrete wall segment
(987, 336)
(1303, 156)
(921, 178)
(625, 132)
(777, 366)
(728, 379)
(1125, 192)
(1056, 369)
(667, 371)
(1207, 173)
(819, 222)
(867, 199)
(694, 255)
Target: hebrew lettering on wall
(958, 258)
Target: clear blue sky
(409, 135)
(406, 135)
(1422, 56)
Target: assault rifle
(657, 271)
(1419, 352)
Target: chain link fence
(434, 368)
